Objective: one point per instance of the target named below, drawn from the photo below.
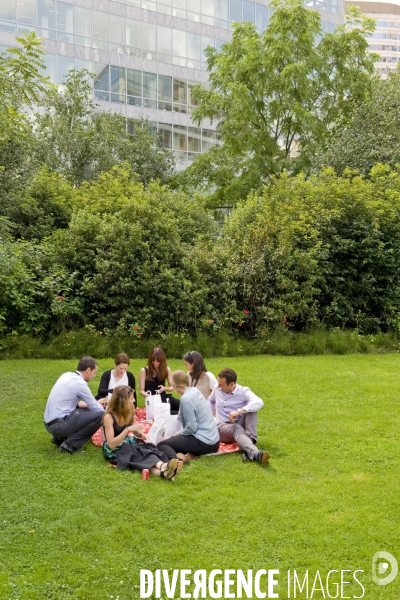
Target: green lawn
(72, 527)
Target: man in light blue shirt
(235, 408)
(72, 413)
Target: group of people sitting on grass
(210, 410)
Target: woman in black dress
(126, 445)
(153, 376)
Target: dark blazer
(104, 390)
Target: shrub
(308, 251)
(133, 248)
(33, 291)
(147, 261)
(46, 205)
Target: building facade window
(165, 90)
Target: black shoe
(262, 458)
(245, 457)
(65, 447)
(57, 441)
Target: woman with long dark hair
(199, 377)
(153, 377)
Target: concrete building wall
(386, 39)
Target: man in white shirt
(72, 413)
(235, 408)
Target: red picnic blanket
(97, 437)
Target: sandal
(178, 469)
(171, 470)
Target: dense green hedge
(135, 261)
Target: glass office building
(146, 55)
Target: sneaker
(65, 447)
(245, 457)
(262, 457)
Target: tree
(76, 139)
(21, 85)
(20, 82)
(276, 93)
(370, 136)
(264, 268)
(323, 249)
(44, 206)
(133, 249)
(32, 289)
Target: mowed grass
(71, 527)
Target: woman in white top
(199, 377)
(115, 377)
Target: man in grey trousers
(72, 413)
(235, 407)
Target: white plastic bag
(151, 403)
(162, 409)
(178, 426)
(157, 431)
(170, 425)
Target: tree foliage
(77, 140)
(370, 136)
(88, 237)
(31, 288)
(21, 86)
(132, 247)
(43, 207)
(146, 260)
(21, 82)
(278, 92)
(319, 250)
(54, 139)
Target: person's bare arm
(115, 440)
(102, 403)
(142, 383)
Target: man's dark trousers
(78, 427)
